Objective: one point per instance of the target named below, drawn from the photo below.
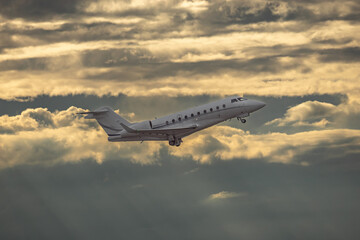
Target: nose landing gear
(241, 119)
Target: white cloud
(226, 195)
(39, 118)
(226, 143)
(194, 5)
(38, 136)
(113, 6)
(304, 112)
(317, 114)
(41, 137)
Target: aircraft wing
(91, 115)
(159, 131)
(95, 112)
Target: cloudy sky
(291, 172)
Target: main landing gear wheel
(177, 142)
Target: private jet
(175, 126)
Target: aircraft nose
(256, 105)
(261, 104)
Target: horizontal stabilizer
(94, 112)
(158, 131)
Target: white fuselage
(201, 117)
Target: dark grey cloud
(6, 41)
(239, 13)
(68, 32)
(94, 201)
(135, 64)
(113, 58)
(118, 57)
(25, 64)
(149, 68)
(211, 21)
(245, 12)
(333, 41)
(350, 54)
(38, 9)
(300, 13)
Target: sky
(291, 172)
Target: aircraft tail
(108, 120)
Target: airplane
(175, 126)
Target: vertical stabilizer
(108, 120)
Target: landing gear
(175, 142)
(241, 119)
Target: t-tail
(108, 120)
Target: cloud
(194, 170)
(40, 118)
(57, 52)
(351, 54)
(178, 44)
(244, 12)
(230, 143)
(225, 195)
(305, 112)
(182, 48)
(179, 48)
(40, 137)
(318, 114)
(36, 9)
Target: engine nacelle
(145, 125)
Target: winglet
(128, 129)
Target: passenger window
(217, 107)
(167, 122)
(192, 115)
(211, 109)
(185, 116)
(204, 111)
(198, 113)
(224, 105)
(179, 119)
(173, 120)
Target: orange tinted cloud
(183, 48)
(61, 137)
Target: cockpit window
(234, 100)
(242, 99)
